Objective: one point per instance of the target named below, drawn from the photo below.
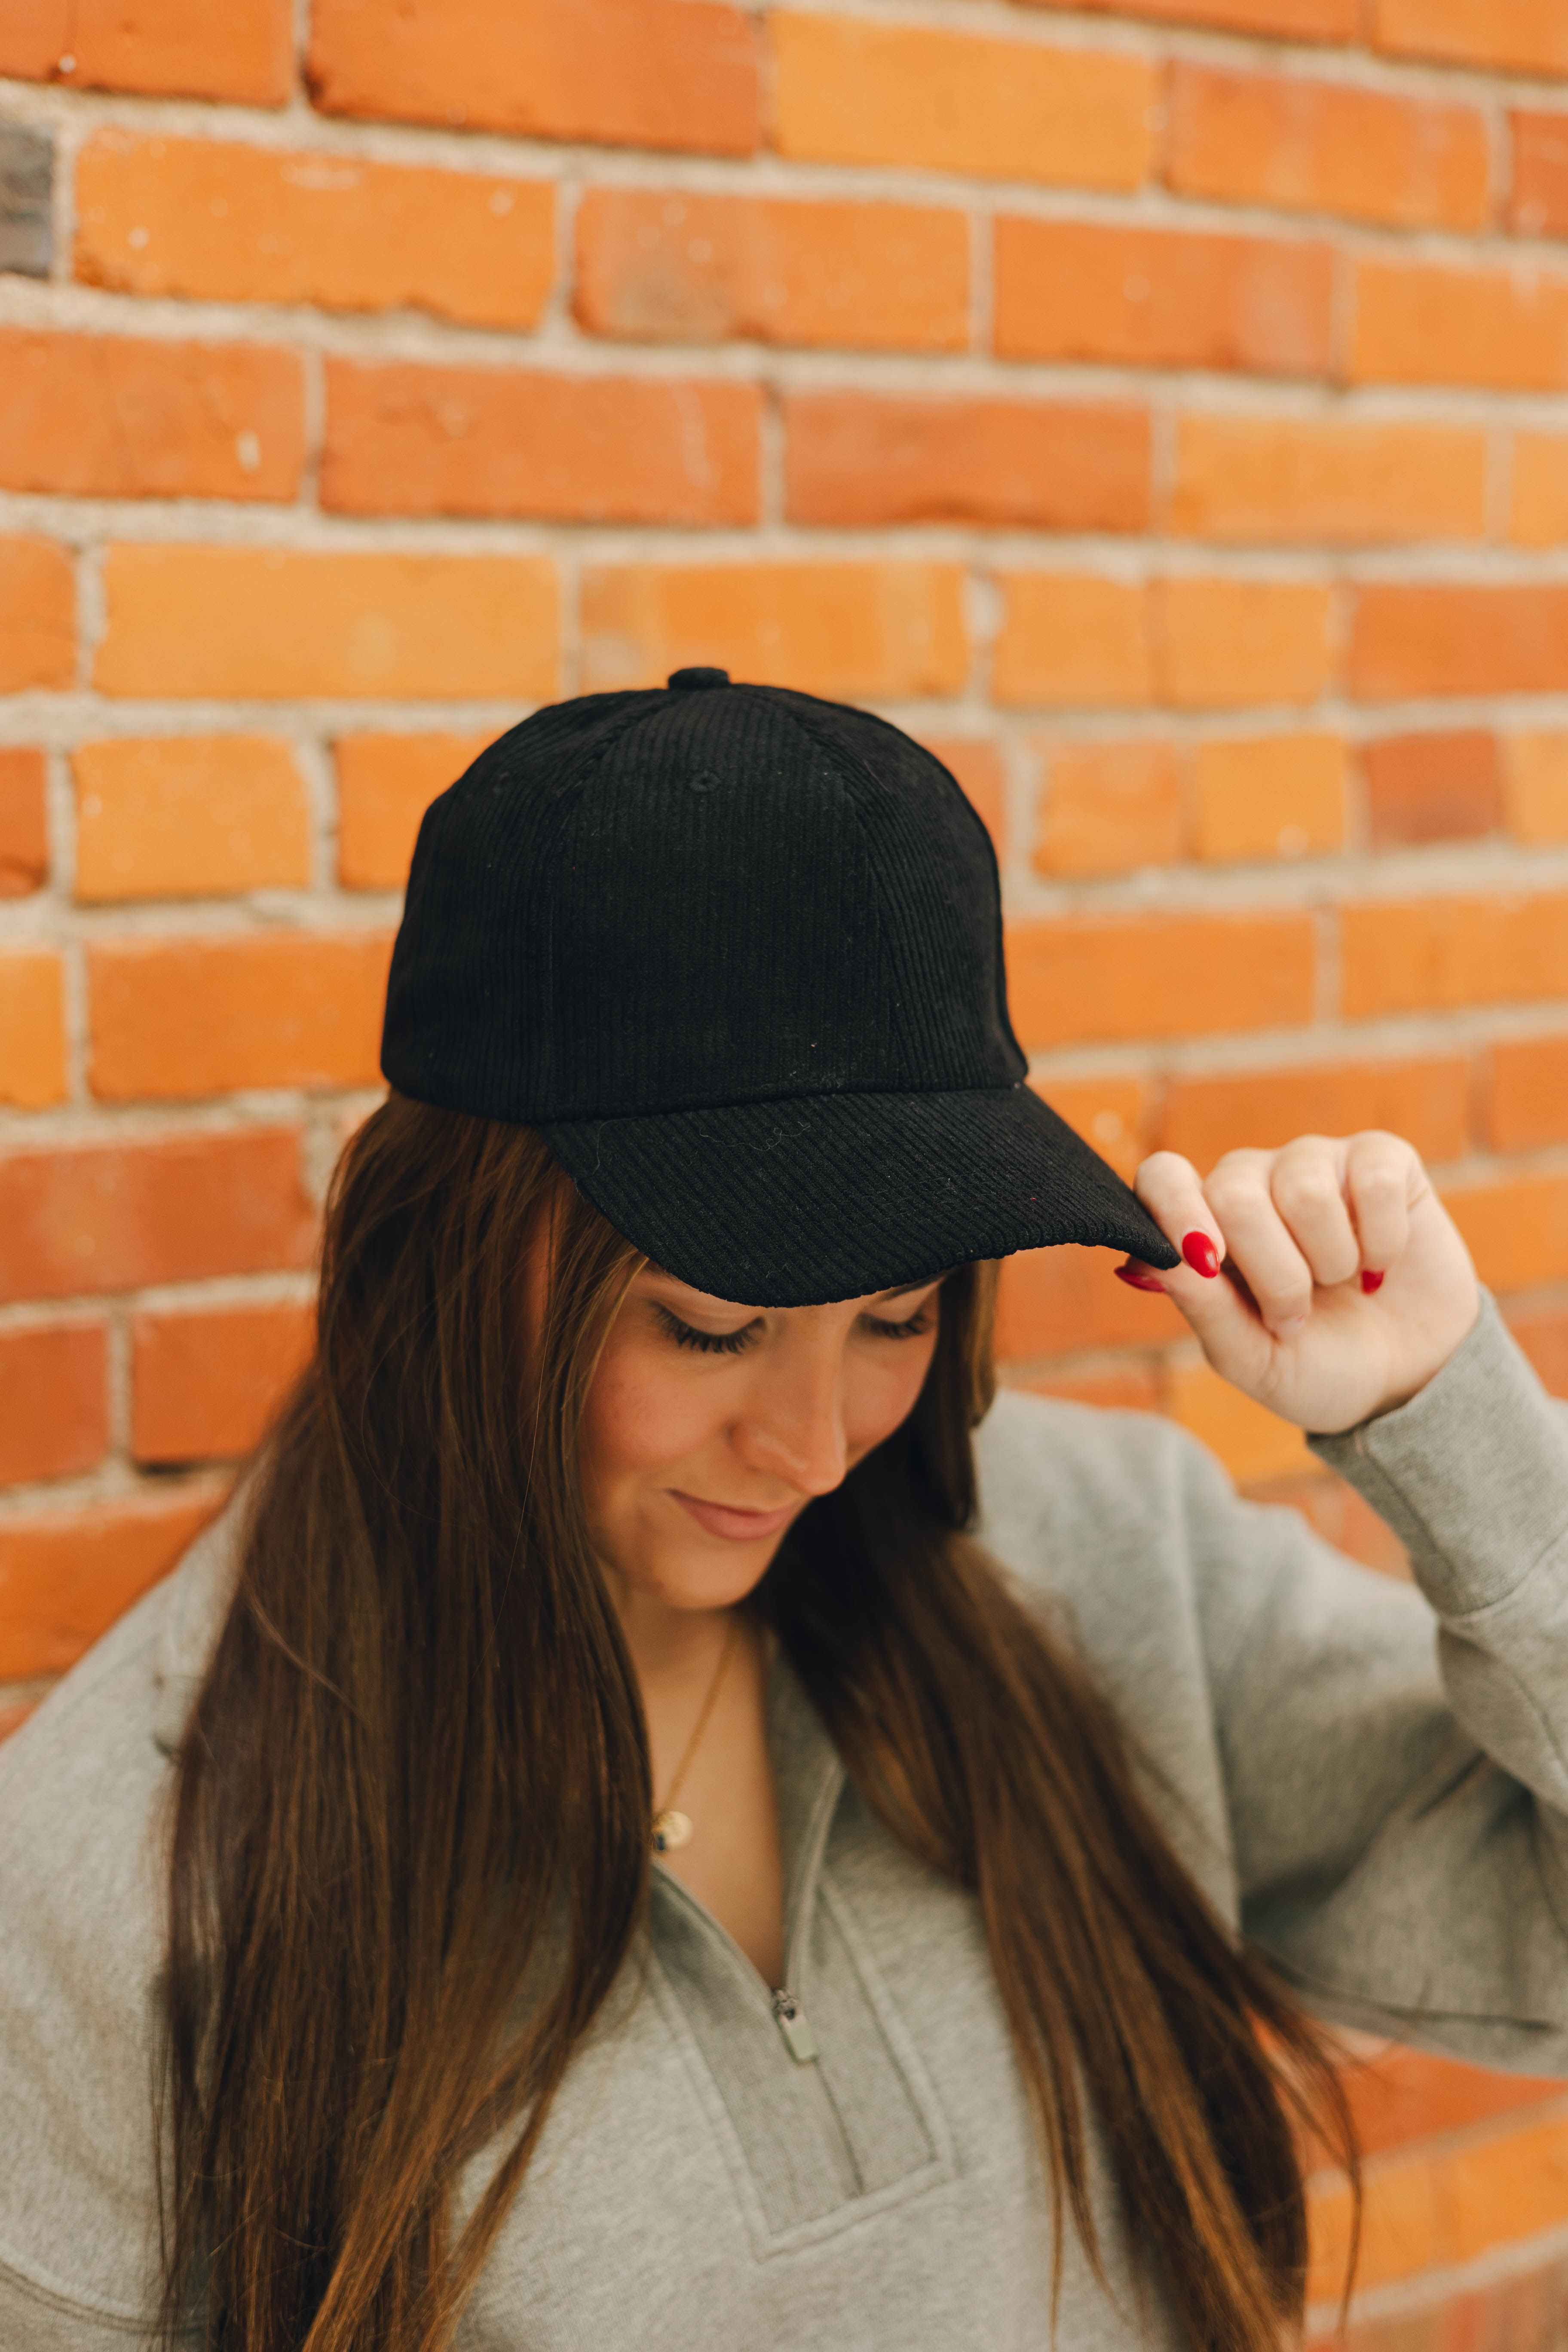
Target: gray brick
(27, 222)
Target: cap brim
(831, 1196)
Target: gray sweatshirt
(1371, 1779)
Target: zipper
(796, 2027)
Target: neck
(668, 1645)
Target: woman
(639, 1829)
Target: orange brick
(24, 822)
(221, 222)
(1305, 146)
(1338, 1514)
(1543, 1333)
(1452, 323)
(1111, 806)
(1516, 1230)
(1431, 787)
(1252, 1442)
(638, 73)
(1297, 20)
(1082, 979)
(185, 1017)
(1163, 297)
(1110, 1113)
(1441, 640)
(108, 1217)
(1527, 1094)
(1408, 955)
(14, 1714)
(1530, 35)
(385, 783)
(978, 768)
(676, 267)
(188, 816)
(53, 1401)
(37, 615)
(863, 458)
(1427, 1102)
(106, 416)
(406, 439)
(243, 621)
(204, 1387)
(1072, 638)
(1132, 1385)
(1538, 202)
(1228, 642)
(850, 630)
(1403, 2095)
(66, 1576)
(849, 90)
(1538, 490)
(1259, 479)
(32, 1028)
(1269, 796)
(1535, 786)
(184, 48)
(1066, 1301)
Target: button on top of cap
(690, 681)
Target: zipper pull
(796, 2027)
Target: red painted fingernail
(1201, 1254)
(1370, 1281)
(1135, 1277)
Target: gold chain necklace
(671, 1830)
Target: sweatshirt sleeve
(1398, 1788)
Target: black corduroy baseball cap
(737, 954)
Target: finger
(1307, 1189)
(1172, 1190)
(1384, 1178)
(1262, 1248)
(1219, 1312)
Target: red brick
(66, 1576)
(1530, 35)
(638, 73)
(185, 1017)
(1469, 640)
(237, 621)
(385, 783)
(53, 1401)
(1543, 1333)
(1305, 146)
(1073, 638)
(854, 631)
(110, 1217)
(1064, 1301)
(1130, 1385)
(1268, 796)
(1516, 1230)
(1086, 977)
(1535, 786)
(1427, 1102)
(184, 48)
(108, 416)
(24, 822)
(1538, 202)
(978, 768)
(849, 90)
(406, 439)
(1431, 787)
(222, 222)
(1462, 323)
(1527, 1094)
(1111, 806)
(1250, 479)
(855, 457)
(1226, 641)
(678, 267)
(188, 816)
(1163, 297)
(37, 615)
(1295, 20)
(1111, 1113)
(204, 1387)
(1538, 490)
(32, 1028)
(1412, 955)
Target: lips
(735, 1526)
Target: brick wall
(1157, 406)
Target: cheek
(640, 1418)
(881, 1390)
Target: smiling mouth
(735, 1526)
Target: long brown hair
(410, 1850)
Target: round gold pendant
(671, 1831)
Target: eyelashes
(734, 1343)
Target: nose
(795, 1427)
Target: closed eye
(706, 1343)
(915, 1327)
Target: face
(709, 1427)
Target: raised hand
(1326, 1279)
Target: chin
(710, 1582)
